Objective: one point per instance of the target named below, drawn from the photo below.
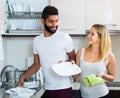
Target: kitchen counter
(111, 85)
(76, 85)
(38, 93)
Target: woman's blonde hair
(105, 45)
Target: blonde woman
(98, 60)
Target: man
(50, 48)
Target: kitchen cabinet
(115, 93)
(76, 94)
(23, 16)
(75, 17)
(103, 12)
(71, 15)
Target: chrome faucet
(3, 74)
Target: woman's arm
(110, 64)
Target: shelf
(19, 35)
(22, 33)
(24, 15)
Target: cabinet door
(2, 16)
(76, 94)
(71, 15)
(103, 12)
(115, 93)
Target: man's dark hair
(49, 10)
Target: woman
(98, 60)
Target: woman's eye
(88, 33)
(92, 33)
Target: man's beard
(51, 30)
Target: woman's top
(92, 68)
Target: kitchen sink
(113, 84)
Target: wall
(2, 17)
(17, 49)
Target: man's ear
(42, 20)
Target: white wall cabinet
(75, 16)
(104, 12)
(71, 15)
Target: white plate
(31, 85)
(66, 69)
(20, 92)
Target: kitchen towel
(92, 80)
(1, 49)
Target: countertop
(111, 85)
(75, 86)
(38, 93)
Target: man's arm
(34, 68)
(71, 55)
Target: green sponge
(92, 80)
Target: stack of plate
(31, 85)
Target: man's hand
(21, 81)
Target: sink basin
(2, 93)
(113, 84)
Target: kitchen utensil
(31, 84)
(66, 69)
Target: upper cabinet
(103, 12)
(71, 15)
(75, 16)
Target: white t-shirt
(51, 50)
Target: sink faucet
(3, 73)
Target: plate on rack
(66, 69)
(31, 85)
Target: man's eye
(50, 21)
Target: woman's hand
(100, 75)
